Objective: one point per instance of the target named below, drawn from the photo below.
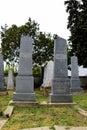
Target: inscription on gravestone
(60, 84)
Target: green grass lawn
(4, 100)
(43, 115)
(81, 100)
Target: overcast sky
(50, 14)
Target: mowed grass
(46, 116)
(81, 100)
(4, 100)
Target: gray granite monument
(10, 81)
(60, 84)
(75, 81)
(25, 80)
(2, 82)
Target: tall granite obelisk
(25, 80)
(75, 81)
(60, 84)
(2, 82)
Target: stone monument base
(61, 98)
(24, 103)
(24, 84)
(75, 85)
(61, 86)
(74, 89)
(24, 97)
(24, 89)
(60, 91)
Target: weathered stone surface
(2, 123)
(48, 74)
(2, 87)
(24, 80)
(25, 84)
(25, 61)
(24, 97)
(10, 81)
(60, 58)
(38, 128)
(75, 81)
(61, 98)
(8, 111)
(69, 128)
(60, 84)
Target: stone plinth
(24, 81)
(60, 84)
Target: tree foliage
(77, 24)
(10, 42)
(43, 48)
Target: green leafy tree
(43, 48)
(10, 42)
(77, 24)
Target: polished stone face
(24, 80)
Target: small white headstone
(10, 81)
(48, 74)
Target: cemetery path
(2, 123)
(7, 114)
(82, 112)
(57, 128)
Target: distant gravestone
(25, 80)
(47, 79)
(75, 81)
(10, 81)
(48, 74)
(60, 84)
(2, 85)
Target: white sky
(50, 14)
